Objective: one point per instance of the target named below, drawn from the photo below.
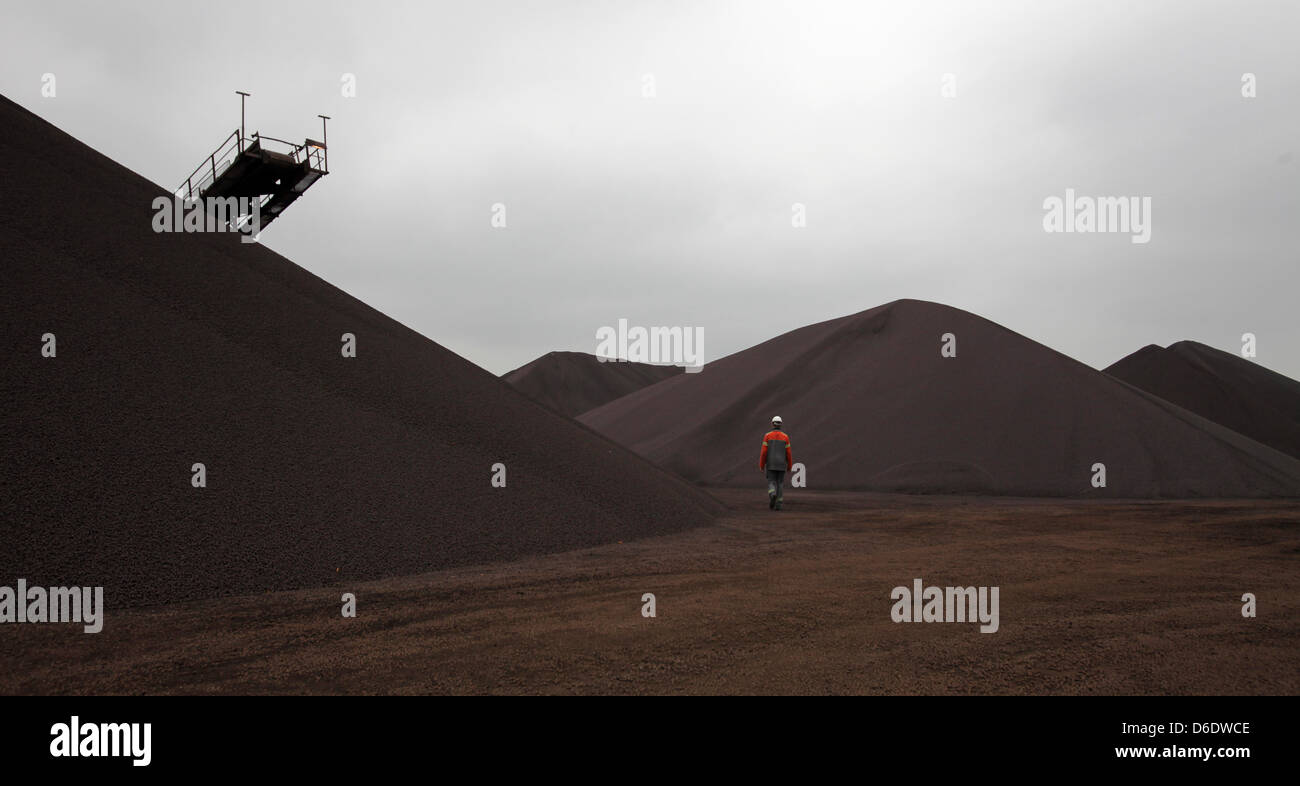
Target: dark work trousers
(775, 479)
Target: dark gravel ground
(1095, 598)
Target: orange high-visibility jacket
(775, 439)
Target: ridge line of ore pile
(1229, 390)
(572, 383)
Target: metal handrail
(262, 137)
(310, 154)
(191, 188)
(211, 164)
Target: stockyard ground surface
(1096, 597)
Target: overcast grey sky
(676, 209)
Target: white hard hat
(777, 419)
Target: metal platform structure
(273, 171)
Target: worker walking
(775, 460)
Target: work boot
(778, 504)
(771, 501)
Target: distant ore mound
(573, 382)
(1230, 390)
(870, 402)
(173, 350)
